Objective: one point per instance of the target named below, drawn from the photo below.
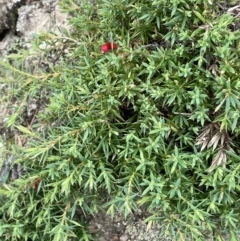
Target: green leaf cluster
(152, 125)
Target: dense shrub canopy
(152, 124)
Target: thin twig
(233, 8)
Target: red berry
(36, 183)
(108, 46)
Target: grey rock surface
(22, 19)
(36, 18)
(33, 17)
(6, 11)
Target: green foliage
(153, 124)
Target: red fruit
(108, 46)
(36, 183)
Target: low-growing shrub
(147, 122)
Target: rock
(34, 19)
(8, 13)
(22, 19)
(124, 237)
